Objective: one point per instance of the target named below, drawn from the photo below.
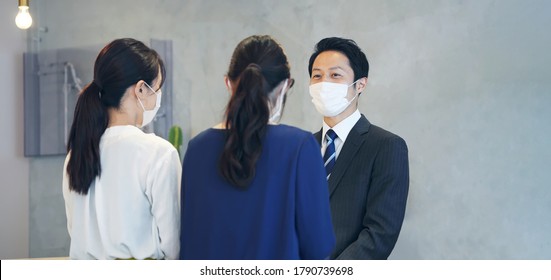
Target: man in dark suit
(367, 166)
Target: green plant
(175, 137)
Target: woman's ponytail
(89, 124)
(247, 119)
(258, 65)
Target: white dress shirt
(342, 130)
(132, 210)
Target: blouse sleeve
(313, 217)
(67, 196)
(165, 206)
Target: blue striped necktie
(329, 157)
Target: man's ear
(361, 84)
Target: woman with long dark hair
(253, 189)
(121, 185)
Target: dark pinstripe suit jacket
(368, 190)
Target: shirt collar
(342, 129)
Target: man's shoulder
(377, 135)
(382, 133)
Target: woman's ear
(138, 89)
(227, 82)
(291, 83)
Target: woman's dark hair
(257, 66)
(119, 65)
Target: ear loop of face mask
(356, 95)
(154, 92)
(276, 117)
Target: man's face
(334, 67)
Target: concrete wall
(14, 168)
(466, 83)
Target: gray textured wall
(465, 83)
(14, 168)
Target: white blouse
(132, 210)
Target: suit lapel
(353, 142)
(317, 135)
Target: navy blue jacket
(283, 214)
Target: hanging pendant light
(23, 19)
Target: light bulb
(23, 19)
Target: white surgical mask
(149, 115)
(276, 111)
(330, 98)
